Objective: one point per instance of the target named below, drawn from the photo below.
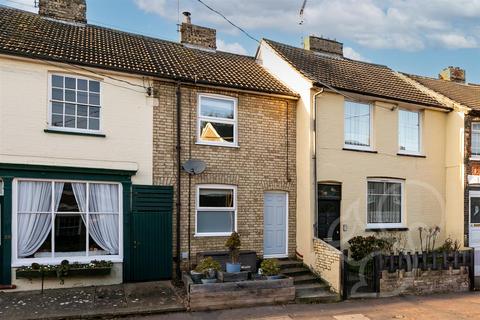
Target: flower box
(74, 272)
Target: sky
(414, 36)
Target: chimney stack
(197, 36)
(454, 74)
(323, 45)
(66, 10)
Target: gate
(151, 233)
(360, 278)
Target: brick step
(293, 272)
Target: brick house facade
(263, 161)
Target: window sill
(359, 150)
(380, 229)
(223, 234)
(100, 135)
(414, 155)
(217, 145)
(474, 159)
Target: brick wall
(197, 35)
(328, 264)
(260, 163)
(420, 282)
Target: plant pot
(233, 267)
(196, 276)
(205, 280)
(275, 277)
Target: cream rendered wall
(279, 68)
(425, 178)
(126, 120)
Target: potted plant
(270, 269)
(233, 244)
(208, 267)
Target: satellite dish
(194, 166)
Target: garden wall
(328, 264)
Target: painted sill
(475, 158)
(223, 234)
(100, 135)
(380, 229)
(359, 150)
(217, 144)
(414, 155)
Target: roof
(465, 94)
(326, 70)
(30, 35)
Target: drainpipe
(179, 171)
(315, 157)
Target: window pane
(57, 120)
(384, 202)
(215, 221)
(70, 83)
(216, 132)
(57, 94)
(70, 236)
(94, 112)
(82, 110)
(216, 198)
(329, 191)
(68, 201)
(70, 95)
(70, 121)
(104, 233)
(93, 124)
(57, 107)
(69, 109)
(475, 139)
(409, 130)
(57, 81)
(357, 124)
(82, 123)
(82, 97)
(94, 99)
(474, 210)
(220, 108)
(94, 86)
(82, 84)
(103, 198)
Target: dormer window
(74, 104)
(217, 120)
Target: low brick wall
(328, 264)
(418, 282)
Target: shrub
(270, 267)
(361, 247)
(207, 264)
(233, 244)
(449, 245)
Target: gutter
(315, 197)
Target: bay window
(217, 120)
(73, 220)
(357, 125)
(215, 210)
(385, 203)
(409, 131)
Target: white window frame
(233, 121)
(19, 262)
(356, 147)
(472, 156)
(51, 127)
(198, 208)
(420, 133)
(402, 223)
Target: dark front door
(328, 215)
(151, 234)
(2, 261)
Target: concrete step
(310, 288)
(293, 272)
(306, 278)
(322, 296)
(288, 263)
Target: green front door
(151, 233)
(2, 260)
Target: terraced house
(377, 153)
(96, 125)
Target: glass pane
(94, 98)
(216, 132)
(94, 124)
(474, 210)
(393, 188)
(57, 120)
(70, 121)
(68, 201)
(215, 221)
(57, 107)
(357, 124)
(70, 236)
(475, 143)
(409, 131)
(57, 81)
(103, 198)
(82, 84)
(220, 108)
(82, 97)
(34, 196)
(384, 202)
(69, 109)
(376, 187)
(222, 198)
(82, 110)
(104, 232)
(57, 94)
(70, 83)
(70, 95)
(94, 86)
(94, 112)
(82, 123)
(329, 191)
(45, 250)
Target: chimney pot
(454, 74)
(67, 10)
(187, 17)
(324, 45)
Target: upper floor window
(475, 140)
(358, 125)
(74, 103)
(409, 131)
(217, 120)
(385, 203)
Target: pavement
(435, 307)
(92, 302)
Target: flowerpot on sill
(233, 267)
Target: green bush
(233, 244)
(361, 247)
(270, 267)
(449, 245)
(207, 264)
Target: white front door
(474, 227)
(275, 225)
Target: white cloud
(352, 54)
(26, 5)
(231, 47)
(408, 25)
